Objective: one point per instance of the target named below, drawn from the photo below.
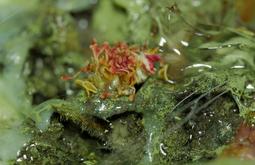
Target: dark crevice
(106, 150)
(62, 94)
(84, 14)
(35, 56)
(69, 125)
(125, 114)
(120, 9)
(38, 98)
(1, 68)
(138, 86)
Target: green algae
(165, 137)
(57, 145)
(186, 121)
(202, 135)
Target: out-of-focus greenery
(20, 27)
(166, 124)
(15, 41)
(145, 21)
(74, 5)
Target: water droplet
(82, 109)
(198, 66)
(102, 107)
(19, 160)
(214, 47)
(24, 156)
(238, 67)
(228, 127)
(162, 41)
(32, 145)
(193, 126)
(18, 152)
(184, 43)
(250, 86)
(177, 51)
(162, 149)
(199, 34)
(149, 151)
(119, 107)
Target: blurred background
(41, 40)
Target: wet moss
(75, 112)
(57, 145)
(126, 140)
(165, 123)
(199, 138)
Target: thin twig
(195, 111)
